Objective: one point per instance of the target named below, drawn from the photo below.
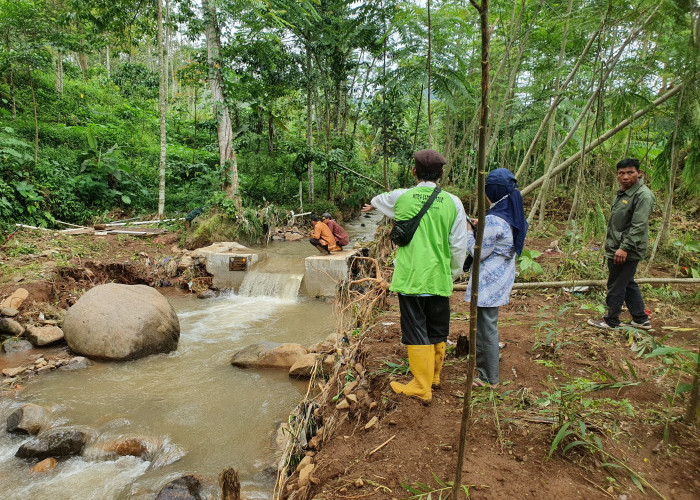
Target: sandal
(477, 382)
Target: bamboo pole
(560, 284)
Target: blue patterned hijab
(507, 203)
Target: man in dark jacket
(625, 245)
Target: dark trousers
(425, 320)
(622, 289)
(319, 244)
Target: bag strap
(430, 201)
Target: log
(560, 284)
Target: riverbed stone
(14, 371)
(9, 312)
(303, 367)
(29, 419)
(268, 355)
(16, 345)
(121, 322)
(43, 335)
(44, 465)
(65, 442)
(76, 363)
(10, 327)
(187, 487)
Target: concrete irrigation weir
(228, 263)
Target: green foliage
(528, 266)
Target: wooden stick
(69, 224)
(561, 284)
(381, 446)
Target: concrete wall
(220, 257)
(323, 272)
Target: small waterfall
(284, 286)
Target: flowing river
(192, 401)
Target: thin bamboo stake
(483, 10)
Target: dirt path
(513, 427)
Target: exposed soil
(512, 427)
(57, 269)
(511, 432)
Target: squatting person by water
(322, 237)
(505, 228)
(424, 270)
(341, 237)
(625, 245)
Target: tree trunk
(163, 107)
(108, 62)
(663, 234)
(59, 72)
(194, 146)
(483, 9)
(362, 97)
(309, 120)
(224, 132)
(430, 117)
(555, 103)
(692, 414)
(604, 137)
(493, 132)
(553, 119)
(36, 118)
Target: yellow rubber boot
(439, 350)
(421, 361)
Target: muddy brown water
(192, 401)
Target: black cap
(429, 160)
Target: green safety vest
(423, 266)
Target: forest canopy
(107, 106)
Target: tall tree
(163, 108)
(224, 130)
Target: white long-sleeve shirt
(458, 233)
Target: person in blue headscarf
(505, 228)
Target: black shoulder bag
(403, 230)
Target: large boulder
(57, 443)
(121, 322)
(268, 355)
(28, 419)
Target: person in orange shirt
(322, 237)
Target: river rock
(29, 419)
(43, 335)
(15, 300)
(132, 446)
(64, 442)
(121, 322)
(183, 488)
(290, 236)
(16, 345)
(268, 355)
(44, 465)
(303, 366)
(76, 363)
(10, 327)
(13, 372)
(8, 312)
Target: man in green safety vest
(424, 270)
